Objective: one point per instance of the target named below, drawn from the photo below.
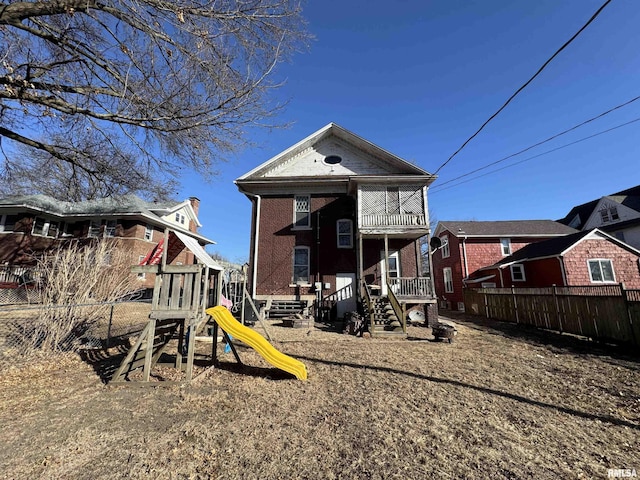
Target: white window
(301, 265)
(601, 270)
(8, 223)
(505, 246)
(444, 245)
(609, 214)
(448, 280)
(110, 228)
(517, 272)
(344, 229)
(94, 228)
(148, 232)
(180, 218)
(45, 227)
(302, 211)
(141, 276)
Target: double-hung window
(448, 280)
(302, 211)
(45, 227)
(344, 228)
(301, 265)
(148, 232)
(517, 272)
(8, 223)
(505, 246)
(444, 245)
(601, 270)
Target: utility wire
(566, 44)
(553, 137)
(540, 154)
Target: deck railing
(393, 220)
(411, 286)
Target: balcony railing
(393, 220)
(411, 287)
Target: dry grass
(497, 403)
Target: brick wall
(625, 263)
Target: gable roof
(556, 247)
(119, 206)
(504, 228)
(321, 144)
(629, 198)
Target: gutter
(254, 263)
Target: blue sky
(418, 78)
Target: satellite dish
(435, 243)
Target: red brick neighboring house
(583, 258)
(32, 224)
(334, 212)
(468, 246)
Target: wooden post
(191, 341)
(555, 299)
(515, 303)
(151, 334)
(109, 327)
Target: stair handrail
(365, 293)
(397, 308)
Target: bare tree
(126, 94)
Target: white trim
(520, 267)
(444, 246)
(505, 242)
(600, 260)
(295, 212)
(446, 270)
(293, 271)
(338, 234)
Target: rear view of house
(336, 221)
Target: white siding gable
(311, 162)
(623, 213)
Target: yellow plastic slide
(225, 320)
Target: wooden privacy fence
(607, 312)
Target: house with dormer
(335, 228)
(617, 214)
(31, 225)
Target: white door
(345, 284)
(394, 268)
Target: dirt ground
(499, 402)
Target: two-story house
(336, 221)
(464, 248)
(617, 214)
(32, 224)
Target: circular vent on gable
(333, 159)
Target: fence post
(627, 308)
(109, 327)
(555, 301)
(486, 305)
(515, 303)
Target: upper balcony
(392, 210)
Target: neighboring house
(617, 214)
(332, 214)
(466, 247)
(578, 259)
(32, 224)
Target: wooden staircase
(285, 308)
(385, 321)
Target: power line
(538, 155)
(553, 137)
(593, 17)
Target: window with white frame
(180, 218)
(517, 272)
(302, 211)
(102, 228)
(505, 246)
(344, 229)
(601, 270)
(301, 265)
(148, 232)
(444, 246)
(8, 223)
(45, 227)
(448, 280)
(110, 228)
(141, 275)
(94, 228)
(609, 214)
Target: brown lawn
(500, 402)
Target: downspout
(254, 263)
(562, 271)
(464, 257)
(318, 277)
(501, 280)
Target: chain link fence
(28, 329)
